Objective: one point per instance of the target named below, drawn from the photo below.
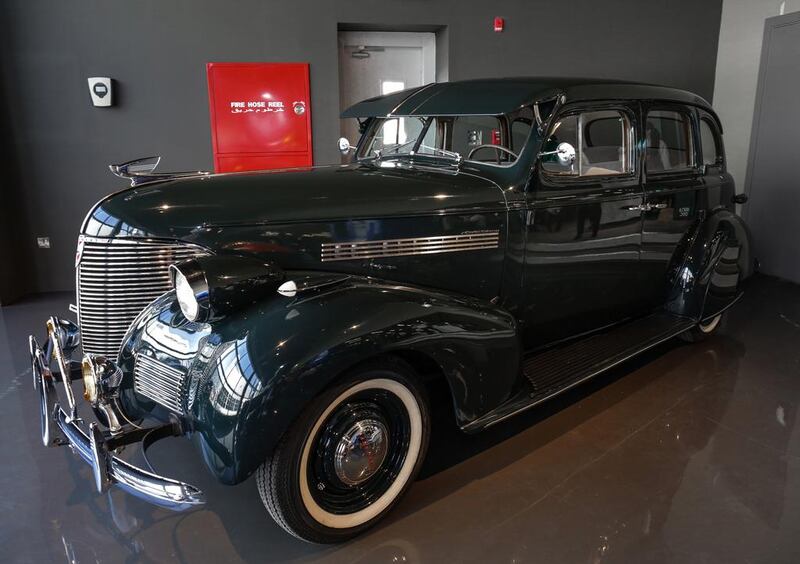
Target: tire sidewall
(301, 434)
(711, 326)
(696, 334)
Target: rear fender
(276, 356)
(712, 267)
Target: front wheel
(702, 330)
(349, 457)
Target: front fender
(276, 356)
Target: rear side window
(601, 140)
(669, 143)
(710, 143)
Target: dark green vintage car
(512, 238)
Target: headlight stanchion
(101, 381)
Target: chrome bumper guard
(95, 446)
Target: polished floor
(688, 454)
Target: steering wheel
(496, 147)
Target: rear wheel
(702, 330)
(349, 457)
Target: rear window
(710, 143)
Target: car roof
(502, 95)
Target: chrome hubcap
(361, 451)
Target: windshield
(489, 139)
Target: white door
(375, 63)
(774, 206)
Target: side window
(710, 143)
(604, 147)
(668, 141)
(565, 130)
(601, 140)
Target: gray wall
(157, 50)
(740, 37)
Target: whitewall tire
(350, 456)
(703, 330)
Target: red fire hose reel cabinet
(260, 115)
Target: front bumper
(62, 426)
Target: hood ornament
(139, 171)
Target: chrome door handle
(645, 207)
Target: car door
(674, 189)
(583, 232)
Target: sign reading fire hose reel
(260, 115)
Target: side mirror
(344, 145)
(565, 153)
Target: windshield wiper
(397, 148)
(436, 150)
(444, 152)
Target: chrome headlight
(208, 288)
(187, 299)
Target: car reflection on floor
(685, 451)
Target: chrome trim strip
(354, 250)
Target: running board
(556, 370)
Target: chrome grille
(159, 382)
(117, 278)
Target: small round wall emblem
(299, 108)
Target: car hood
(177, 208)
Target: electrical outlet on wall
(43, 242)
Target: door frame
(425, 40)
(549, 191)
(770, 25)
